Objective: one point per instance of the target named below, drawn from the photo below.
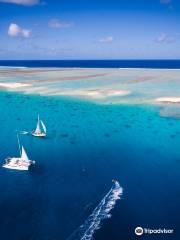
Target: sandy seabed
(131, 86)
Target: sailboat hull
(38, 134)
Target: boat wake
(23, 132)
(101, 212)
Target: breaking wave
(101, 212)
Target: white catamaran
(19, 163)
(40, 129)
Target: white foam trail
(101, 212)
(24, 132)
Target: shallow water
(87, 146)
(105, 86)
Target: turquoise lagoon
(92, 139)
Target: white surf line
(101, 212)
(14, 85)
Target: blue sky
(89, 29)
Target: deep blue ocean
(170, 64)
(87, 146)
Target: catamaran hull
(16, 168)
(17, 164)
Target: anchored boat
(19, 163)
(40, 129)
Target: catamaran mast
(19, 144)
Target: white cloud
(22, 2)
(16, 31)
(161, 38)
(165, 1)
(106, 40)
(56, 23)
(165, 38)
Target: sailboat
(40, 129)
(19, 163)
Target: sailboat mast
(19, 144)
